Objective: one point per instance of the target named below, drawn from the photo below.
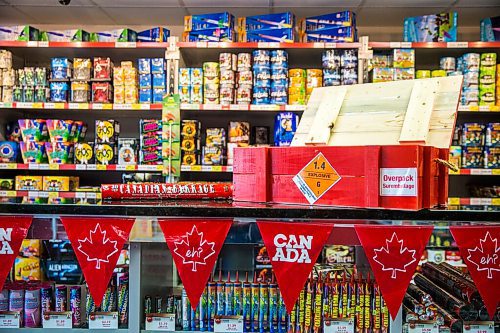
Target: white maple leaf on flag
(485, 256)
(97, 247)
(194, 249)
(394, 257)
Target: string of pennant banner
(195, 243)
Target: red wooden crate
(266, 175)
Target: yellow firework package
(29, 183)
(105, 153)
(107, 131)
(84, 153)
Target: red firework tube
(367, 303)
(421, 296)
(455, 271)
(335, 298)
(450, 303)
(360, 301)
(343, 288)
(197, 191)
(455, 285)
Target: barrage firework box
(128, 151)
(107, 131)
(157, 34)
(29, 183)
(333, 35)
(280, 35)
(266, 21)
(340, 19)
(84, 153)
(347, 154)
(431, 28)
(208, 21)
(210, 35)
(105, 153)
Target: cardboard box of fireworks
(382, 145)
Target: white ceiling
(170, 13)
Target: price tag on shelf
(43, 166)
(8, 194)
(79, 106)
(128, 45)
(406, 45)
(457, 45)
(43, 44)
(8, 166)
(37, 105)
(201, 44)
(213, 45)
(186, 106)
(97, 106)
(269, 107)
(395, 45)
(295, 107)
(53, 195)
(217, 168)
(228, 324)
(423, 327)
(143, 106)
(495, 201)
(120, 167)
(318, 45)
(480, 201)
(50, 105)
(91, 195)
(53, 166)
(160, 322)
(101, 167)
(33, 166)
(130, 167)
(206, 168)
(103, 320)
(80, 195)
(24, 105)
(80, 167)
(57, 320)
(338, 326)
(91, 167)
(32, 44)
(484, 172)
(495, 172)
(268, 45)
(479, 327)
(196, 168)
(9, 319)
(453, 201)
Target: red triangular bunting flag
(97, 243)
(293, 249)
(480, 250)
(393, 253)
(195, 245)
(13, 229)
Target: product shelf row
(112, 167)
(250, 45)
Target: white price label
(24, 105)
(32, 44)
(479, 327)
(9, 319)
(43, 44)
(338, 326)
(228, 324)
(121, 167)
(57, 320)
(394, 45)
(43, 166)
(91, 195)
(80, 167)
(484, 108)
(319, 45)
(33, 166)
(80, 195)
(49, 105)
(480, 172)
(406, 45)
(103, 320)
(91, 167)
(421, 327)
(295, 107)
(330, 45)
(268, 45)
(129, 45)
(160, 322)
(459, 45)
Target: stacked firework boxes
(214, 27)
(150, 143)
(270, 72)
(152, 80)
(7, 76)
(479, 72)
(263, 310)
(191, 142)
(431, 28)
(279, 27)
(191, 85)
(337, 27)
(125, 83)
(399, 66)
(214, 150)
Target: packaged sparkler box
(281, 35)
(208, 21)
(340, 19)
(154, 35)
(210, 35)
(266, 21)
(431, 28)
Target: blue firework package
(285, 125)
(159, 35)
(210, 35)
(8, 151)
(208, 21)
(267, 21)
(490, 29)
(157, 65)
(280, 35)
(332, 34)
(13, 131)
(431, 28)
(327, 21)
(61, 68)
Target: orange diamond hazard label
(316, 178)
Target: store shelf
(238, 107)
(434, 45)
(476, 172)
(265, 45)
(81, 167)
(475, 108)
(46, 194)
(64, 330)
(474, 201)
(79, 106)
(96, 45)
(207, 168)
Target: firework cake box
(346, 153)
